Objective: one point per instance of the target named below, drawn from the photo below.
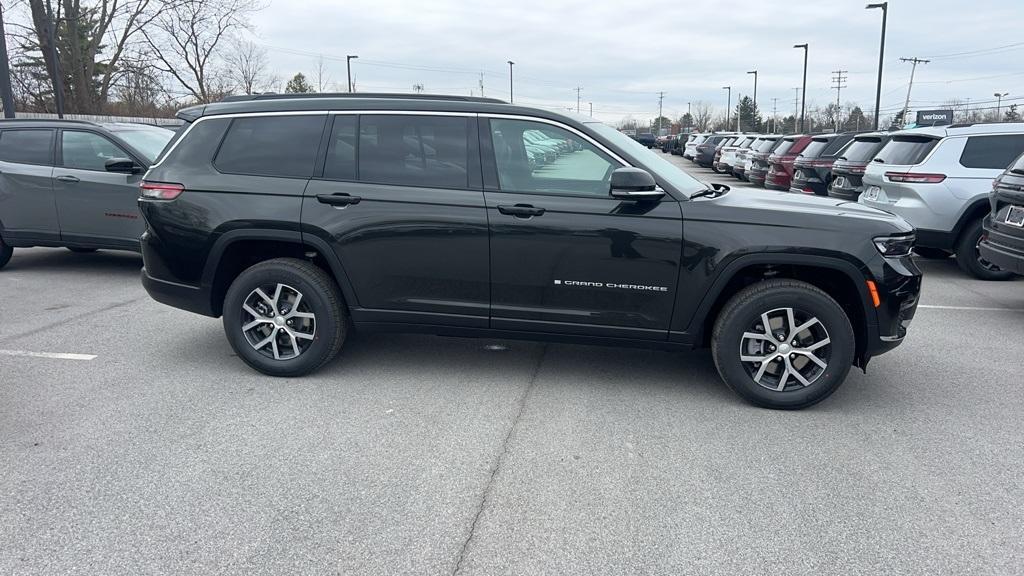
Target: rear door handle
(520, 210)
(68, 178)
(339, 199)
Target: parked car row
(938, 178)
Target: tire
(300, 344)
(970, 260)
(743, 315)
(932, 253)
(78, 250)
(5, 253)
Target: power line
(979, 52)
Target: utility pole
(915, 61)
(728, 107)
(510, 63)
(754, 72)
(591, 109)
(838, 82)
(881, 56)
(999, 102)
(661, 96)
(775, 119)
(6, 93)
(481, 84)
(419, 89)
(578, 99)
(348, 70)
(803, 99)
(796, 107)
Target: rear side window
(282, 146)
(903, 150)
(836, 145)
(27, 146)
(993, 152)
(862, 149)
(428, 151)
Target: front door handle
(68, 178)
(339, 199)
(520, 210)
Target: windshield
(662, 169)
(148, 140)
(813, 150)
(862, 149)
(784, 147)
(905, 150)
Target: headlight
(895, 246)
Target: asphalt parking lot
(133, 441)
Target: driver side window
(541, 158)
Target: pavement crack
(499, 461)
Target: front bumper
(1003, 246)
(899, 289)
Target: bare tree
(322, 78)
(702, 114)
(187, 38)
(247, 66)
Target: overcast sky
(622, 54)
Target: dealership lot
(135, 442)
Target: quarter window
(87, 151)
(27, 146)
(992, 152)
(341, 149)
(538, 157)
(282, 146)
(427, 151)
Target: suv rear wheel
(783, 344)
(968, 257)
(284, 317)
(5, 253)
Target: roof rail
(43, 120)
(274, 96)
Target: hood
(771, 208)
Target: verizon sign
(934, 117)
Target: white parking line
(970, 308)
(54, 355)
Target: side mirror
(123, 165)
(634, 184)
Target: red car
(780, 163)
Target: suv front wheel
(783, 344)
(284, 317)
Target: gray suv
(73, 184)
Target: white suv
(938, 179)
(690, 150)
(728, 159)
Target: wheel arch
(839, 278)
(974, 211)
(237, 250)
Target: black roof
(363, 101)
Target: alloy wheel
(277, 323)
(785, 349)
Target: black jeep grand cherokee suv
(298, 219)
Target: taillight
(915, 177)
(161, 190)
(855, 169)
(820, 162)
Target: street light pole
(510, 63)
(728, 108)
(999, 102)
(803, 97)
(881, 56)
(348, 69)
(6, 93)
